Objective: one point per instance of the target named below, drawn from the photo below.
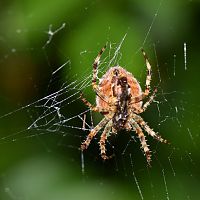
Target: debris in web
(190, 158)
(174, 64)
(51, 33)
(185, 55)
(82, 164)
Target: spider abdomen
(111, 85)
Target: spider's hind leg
(141, 136)
(102, 142)
(150, 131)
(92, 133)
(146, 104)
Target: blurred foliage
(36, 168)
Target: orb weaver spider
(119, 98)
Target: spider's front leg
(148, 78)
(95, 69)
(148, 81)
(93, 108)
(93, 132)
(94, 77)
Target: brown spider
(119, 99)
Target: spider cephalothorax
(119, 99)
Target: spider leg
(93, 108)
(87, 103)
(94, 78)
(150, 131)
(141, 136)
(148, 78)
(148, 81)
(92, 133)
(148, 102)
(103, 139)
(95, 71)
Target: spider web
(174, 166)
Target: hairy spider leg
(149, 101)
(93, 132)
(150, 131)
(146, 104)
(102, 142)
(93, 108)
(148, 78)
(95, 69)
(148, 81)
(142, 139)
(94, 79)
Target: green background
(39, 164)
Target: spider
(119, 98)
